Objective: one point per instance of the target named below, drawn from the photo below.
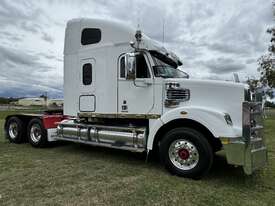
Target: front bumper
(242, 154)
(248, 151)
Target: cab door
(135, 96)
(87, 98)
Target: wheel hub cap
(13, 130)
(35, 133)
(183, 154)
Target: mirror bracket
(130, 65)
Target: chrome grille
(178, 94)
(247, 95)
(252, 121)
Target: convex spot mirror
(130, 62)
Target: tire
(15, 130)
(37, 134)
(186, 152)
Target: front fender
(212, 119)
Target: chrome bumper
(249, 151)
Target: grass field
(73, 174)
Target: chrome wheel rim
(35, 133)
(13, 130)
(183, 154)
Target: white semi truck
(123, 90)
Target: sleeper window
(87, 74)
(90, 36)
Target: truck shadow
(220, 171)
(226, 175)
(221, 168)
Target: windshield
(164, 70)
(168, 72)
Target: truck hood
(220, 96)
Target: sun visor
(168, 58)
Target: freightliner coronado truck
(125, 91)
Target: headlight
(228, 119)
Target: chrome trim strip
(118, 115)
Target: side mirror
(130, 65)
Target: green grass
(73, 174)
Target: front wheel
(186, 152)
(37, 134)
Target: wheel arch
(189, 123)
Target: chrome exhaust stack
(127, 138)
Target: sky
(213, 39)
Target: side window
(122, 67)
(87, 74)
(90, 36)
(142, 70)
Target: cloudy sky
(213, 39)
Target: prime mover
(125, 91)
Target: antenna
(138, 34)
(138, 17)
(138, 23)
(163, 20)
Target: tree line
(266, 66)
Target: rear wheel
(15, 130)
(186, 152)
(37, 134)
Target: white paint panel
(87, 103)
(71, 85)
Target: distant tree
(43, 96)
(4, 100)
(253, 84)
(267, 71)
(266, 62)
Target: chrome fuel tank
(128, 138)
